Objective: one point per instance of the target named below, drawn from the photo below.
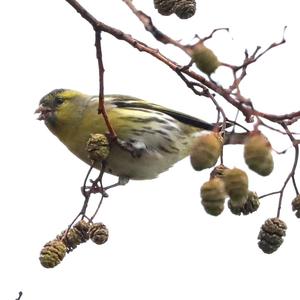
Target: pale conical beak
(44, 112)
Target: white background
(162, 244)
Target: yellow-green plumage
(160, 136)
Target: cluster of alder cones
(54, 251)
(233, 183)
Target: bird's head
(60, 106)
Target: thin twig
(248, 61)
(98, 207)
(276, 129)
(295, 185)
(101, 107)
(269, 194)
(212, 33)
(20, 295)
(292, 172)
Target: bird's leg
(96, 186)
(121, 181)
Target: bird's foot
(93, 189)
(121, 181)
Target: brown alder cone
(52, 253)
(76, 235)
(296, 206)
(250, 206)
(98, 233)
(165, 7)
(185, 9)
(271, 235)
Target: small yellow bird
(159, 135)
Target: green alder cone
(213, 196)
(206, 151)
(236, 185)
(257, 154)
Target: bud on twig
(204, 58)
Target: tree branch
(247, 112)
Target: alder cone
(271, 235)
(76, 235)
(250, 206)
(257, 154)
(52, 253)
(206, 151)
(165, 7)
(296, 206)
(97, 147)
(98, 233)
(213, 196)
(185, 9)
(236, 185)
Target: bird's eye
(59, 100)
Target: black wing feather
(130, 102)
